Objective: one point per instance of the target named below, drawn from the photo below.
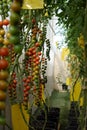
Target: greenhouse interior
(43, 64)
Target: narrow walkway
(60, 100)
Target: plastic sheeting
(56, 68)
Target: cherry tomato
(1, 23)
(37, 44)
(2, 120)
(4, 51)
(1, 39)
(33, 21)
(5, 22)
(2, 32)
(2, 95)
(14, 39)
(2, 105)
(8, 34)
(15, 6)
(39, 53)
(14, 18)
(13, 30)
(27, 88)
(3, 75)
(3, 63)
(18, 48)
(6, 42)
(3, 85)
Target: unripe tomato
(14, 39)
(3, 85)
(3, 75)
(13, 30)
(8, 34)
(2, 105)
(4, 51)
(14, 18)
(2, 120)
(2, 95)
(1, 39)
(3, 63)
(6, 42)
(2, 32)
(18, 48)
(16, 6)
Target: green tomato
(14, 39)
(18, 48)
(14, 18)
(13, 30)
(2, 120)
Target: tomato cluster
(4, 22)
(14, 26)
(12, 87)
(4, 64)
(34, 67)
(3, 78)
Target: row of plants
(24, 53)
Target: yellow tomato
(2, 32)
(6, 42)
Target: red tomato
(27, 88)
(39, 53)
(33, 21)
(3, 64)
(37, 44)
(37, 58)
(5, 22)
(4, 51)
(1, 23)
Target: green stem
(24, 117)
(8, 126)
(74, 87)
